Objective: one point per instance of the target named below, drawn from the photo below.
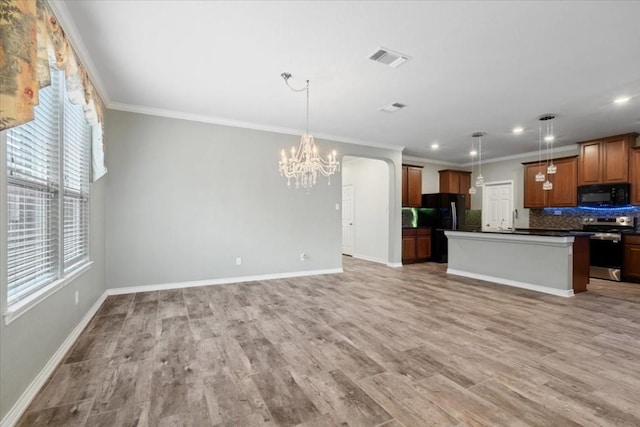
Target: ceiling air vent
(391, 108)
(389, 57)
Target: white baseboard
(514, 283)
(223, 281)
(370, 258)
(394, 264)
(16, 411)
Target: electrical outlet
(303, 256)
(238, 261)
(77, 297)
(337, 206)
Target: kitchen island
(553, 262)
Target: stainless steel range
(606, 245)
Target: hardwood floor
(375, 346)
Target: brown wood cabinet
(564, 192)
(411, 186)
(604, 160)
(416, 245)
(565, 183)
(581, 247)
(634, 174)
(534, 195)
(631, 258)
(458, 182)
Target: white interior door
(497, 206)
(347, 219)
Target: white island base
(553, 263)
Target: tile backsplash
(473, 219)
(571, 218)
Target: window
(47, 194)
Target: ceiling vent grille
(389, 57)
(391, 108)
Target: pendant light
(472, 153)
(479, 178)
(540, 176)
(548, 138)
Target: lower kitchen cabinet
(631, 258)
(416, 245)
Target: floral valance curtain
(31, 41)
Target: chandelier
(305, 163)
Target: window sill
(18, 309)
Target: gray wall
(431, 177)
(27, 343)
(184, 199)
(370, 180)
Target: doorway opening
(365, 208)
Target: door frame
(352, 229)
(485, 195)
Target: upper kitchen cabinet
(564, 191)
(534, 195)
(411, 186)
(605, 160)
(457, 182)
(565, 188)
(634, 164)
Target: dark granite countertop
(534, 232)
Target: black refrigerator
(444, 211)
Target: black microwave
(604, 195)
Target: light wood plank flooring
(375, 346)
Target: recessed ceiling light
(518, 129)
(549, 138)
(473, 153)
(622, 99)
(435, 146)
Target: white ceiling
(476, 66)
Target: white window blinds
(47, 229)
(76, 186)
(32, 198)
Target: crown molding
(562, 149)
(422, 160)
(63, 16)
(172, 114)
